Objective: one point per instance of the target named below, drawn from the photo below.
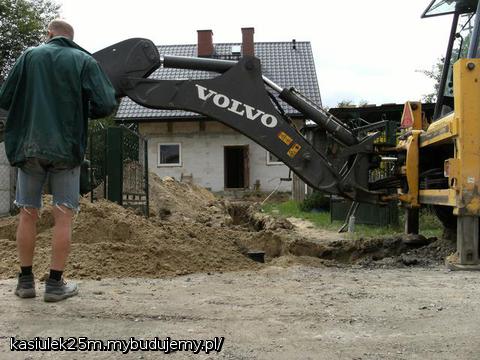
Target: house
(188, 145)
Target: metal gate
(119, 167)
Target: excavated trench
(279, 237)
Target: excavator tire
(448, 219)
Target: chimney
(247, 41)
(205, 43)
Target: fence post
(298, 189)
(147, 190)
(114, 168)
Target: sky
(370, 50)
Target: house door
(236, 167)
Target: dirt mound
(110, 241)
(189, 230)
(179, 201)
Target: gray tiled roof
(3, 114)
(280, 63)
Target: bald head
(60, 27)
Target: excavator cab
(463, 42)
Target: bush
(315, 201)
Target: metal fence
(119, 167)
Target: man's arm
(8, 88)
(99, 90)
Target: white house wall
(202, 154)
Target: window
(272, 159)
(169, 155)
(444, 7)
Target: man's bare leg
(26, 235)
(62, 235)
(56, 289)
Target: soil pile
(179, 201)
(111, 241)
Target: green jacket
(50, 93)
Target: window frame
(179, 164)
(428, 11)
(272, 163)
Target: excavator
(436, 163)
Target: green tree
(103, 123)
(350, 103)
(23, 24)
(435, 74)
(345, 103)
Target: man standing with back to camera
(50, 93)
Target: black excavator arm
(238, 98)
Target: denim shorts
(64, 184)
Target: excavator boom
(238, 98)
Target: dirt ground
(186, 273)
(295, 312)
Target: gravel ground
(293, 312)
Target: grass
(429, 224)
